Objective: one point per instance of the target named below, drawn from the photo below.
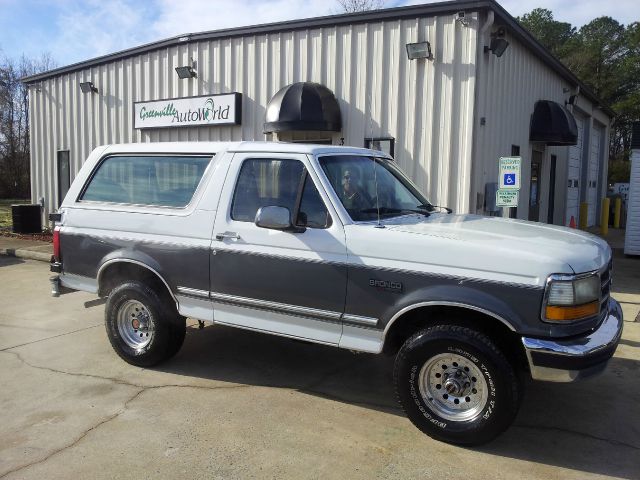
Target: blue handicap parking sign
(509, 178)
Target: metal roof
(413, 11)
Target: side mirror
(276, 218)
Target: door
(534, 183)
(64, 175)
(285, 282)
(573, 176)
(552, 189)
(592, 176)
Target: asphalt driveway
(235, 404)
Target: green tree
(627, 103)
(14, 123)
(553, 35)
(605, 55)
(596, 54)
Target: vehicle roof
(215, 147)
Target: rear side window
(167, 181)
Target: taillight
(56, 243)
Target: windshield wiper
(430, 208)
(392, 211)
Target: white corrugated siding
(574, 175)
(592, 175)
(632, 234)
(508, 88)
(427, 106)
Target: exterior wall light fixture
(88, 87)
(498, 43)
(186, 72)
(419, 50)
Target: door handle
(229, 235)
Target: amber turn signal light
(571, 313)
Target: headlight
(570, 299)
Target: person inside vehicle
(352, 197)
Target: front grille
(605, 289)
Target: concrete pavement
(29, 249)
(236, 404)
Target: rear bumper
(567, 360)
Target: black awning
(553, 124)
(303, 106)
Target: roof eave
(345, 19)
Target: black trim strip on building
(396, 13)
(635, 135)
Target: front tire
(143, 328)
(455, 385)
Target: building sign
(507, 198)
(510, 173)
(223, 109)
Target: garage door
(573, 178)
(592, 182)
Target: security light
(498, 46)
(498, 43)
(186, 72)
(88, 87)
(419, 50)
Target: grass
(5, 211)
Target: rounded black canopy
(303, 106)
(553, 124)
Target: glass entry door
(534, 191)
(64, 174)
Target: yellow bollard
(584, 216)
(604, 217)
(617, 209)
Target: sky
(76, 30)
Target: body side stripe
(373, 268)
(276, 306)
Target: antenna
(375, 181)
(375, 163)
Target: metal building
(447, 88)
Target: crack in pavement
(616, 443)
(119, 381)
(50, 338)
(141, 389)
(311, 388)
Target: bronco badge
(395, 287)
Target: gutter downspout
(480, 85)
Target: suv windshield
(368, 184)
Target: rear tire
(455, 385)
(143, 328)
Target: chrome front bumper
(567, 360)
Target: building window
(166, 181)
(64, 175)
(385, 144)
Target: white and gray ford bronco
(335, 245)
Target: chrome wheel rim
(454, 387)
(135, 324)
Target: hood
(498, 248)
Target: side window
(168, 181)
(269, 182)
(313, 213)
